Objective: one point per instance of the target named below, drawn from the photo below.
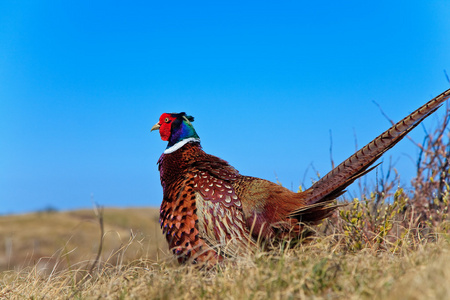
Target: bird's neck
(173, 165)
(180, 144)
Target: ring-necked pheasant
(210, 211)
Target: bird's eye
(166, 120)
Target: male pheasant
(211, 212)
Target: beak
(156, 126)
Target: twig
(99, 214)
(98, 210)
(331, 150)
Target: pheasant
(210, 212)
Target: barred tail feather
(333, 184)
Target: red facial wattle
(165, 122)
(164, 131)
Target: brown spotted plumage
(210, 212)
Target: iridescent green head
(177, 129)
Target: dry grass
(58, 240)
(320, 270)
(389, 243)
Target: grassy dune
(58, 240)
(367, 251)
(322, 269)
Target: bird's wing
(220, 216)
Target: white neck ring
(181, 144)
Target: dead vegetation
(57, 240)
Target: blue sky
(81, 84)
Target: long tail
(334, 183)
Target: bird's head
(176, 128)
